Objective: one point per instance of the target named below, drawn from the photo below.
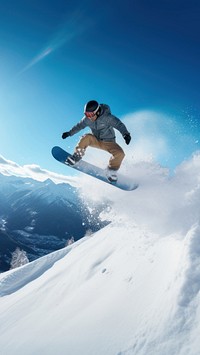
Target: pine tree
(69, 241)
(19, 258)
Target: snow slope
(130, 288)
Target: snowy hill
(130, 288)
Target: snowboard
(122, 182)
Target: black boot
(73, 159)
(111, 175)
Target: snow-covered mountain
(39, 217)
(131, 288)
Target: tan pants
(110, 147)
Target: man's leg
(111, 147)
(117, 155)
(86, 141)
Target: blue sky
(136, 56)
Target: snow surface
(131, 288)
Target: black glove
(65, 135)
(127, 138)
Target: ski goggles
(91, 114)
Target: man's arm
(117, 123)
(78, 127)
(75, 129)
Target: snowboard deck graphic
(122, 183)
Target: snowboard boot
(73, 159)
(111, 175)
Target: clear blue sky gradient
(56, 55)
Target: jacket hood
(105, 109)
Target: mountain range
(40, 217)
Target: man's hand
(65, 135)
(127, 138)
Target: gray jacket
(103, 127)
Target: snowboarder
(102, 123)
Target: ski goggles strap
(91, 114)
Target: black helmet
(91, 106)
